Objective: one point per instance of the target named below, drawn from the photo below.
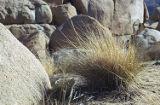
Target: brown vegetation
(103, 61)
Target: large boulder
(34, 37)
(24, 11)
(145, 41)
(20, 31)
(128, 16)
(147, 38)
(102, 10)
(23, 80)
(13, 11)
(61, 13)
(75, 27)
(37, 43)
(81, 6)
(156, 14)
(120, 16)
(43, 12)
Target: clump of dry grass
(48, 63)
(103, 61)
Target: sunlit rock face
(120, 16)
(23, 80)
(24, 11)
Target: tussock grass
(48, 63)
(103, 61)
(49, 67)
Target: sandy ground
(148, 84)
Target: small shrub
(103, 61)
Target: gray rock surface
(118, 15)
(61, 13)
(153, 25)
(147, 43)
(36, 39)
(24, 11)
(23, 80)
(20, 31)
(147, 38)
(43, 14)
(102, 10)
(37, 43)
(81, 25)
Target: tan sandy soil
(148, 83)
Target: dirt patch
(148, 85)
